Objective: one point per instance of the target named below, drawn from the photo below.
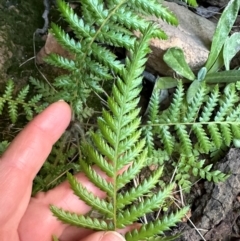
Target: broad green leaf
(223, 29)
(175, 59)
(166, 83)
(230, 76)
(230, 49)
(219, 63)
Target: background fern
(28, 107)
(102, 25)
(186, 132)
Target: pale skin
(23, 218)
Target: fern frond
(101, 25)
(115, 39)
(153, 105)
(106, 57)
(99, 160)
(129, 19)
(203, 125)
(132, 153)
(94, 9)
(158, 157)
(15, 103)
(118, 144)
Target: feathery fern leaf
(29, 107)
(209, 121)
(101, 25)
(119, 141)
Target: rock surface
(219, 3)
(51, 46)
(218, 211)
(5, 54)
(193, 35)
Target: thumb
(104, 236)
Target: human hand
(29, 219)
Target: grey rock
(6, 52)
(219, 3)
(223, 194)
(219, 207)
(193, 34)
(207, 12)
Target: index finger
(26, 154)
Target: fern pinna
(187, 130)
(118, 144)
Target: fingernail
(61, 100)
(112, 236)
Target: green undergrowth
(181, 142)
